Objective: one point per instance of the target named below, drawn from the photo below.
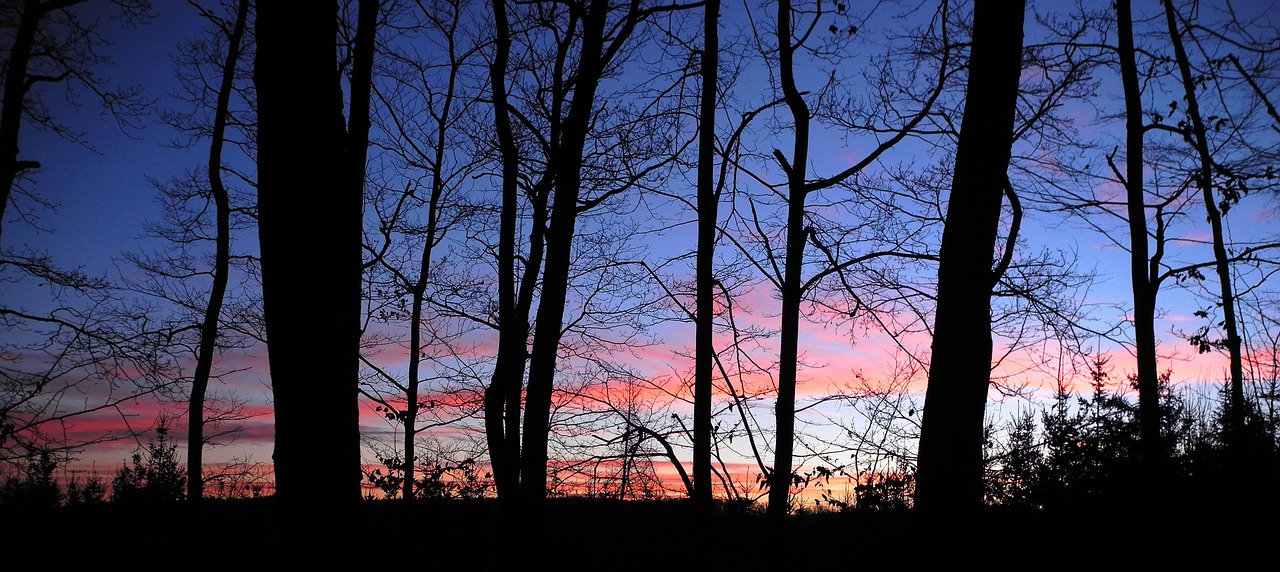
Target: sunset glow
(531, 177)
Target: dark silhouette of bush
(1086, 452)
(440, 480)
(156, 475)
(34, 486)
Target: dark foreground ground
(590, 535)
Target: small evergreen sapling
(156, 475)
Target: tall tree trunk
(419, 287)
(708, 213)
(356, 143)
(949, 471)
(572, 88)
(1204, 180)
(505, 478)
(502, 399)
(349, 234)
(788, 358)
(221, 263)
(310, 198)
(559, 239)
(1142, 269)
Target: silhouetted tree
(79, 335)
(222, 257)
(311, 167)
(795, 28)
(502, 398)
(1143, 267)
(596, 49)
(577, 153)
(1016, 482)
(950, 467)
(155, 475)
(1221, 185)
(423, 111)
(199, 209)
(51, 44)
(708, 222)
(33, 486)
(1151, 206)
(1093, 447)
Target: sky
(104, 196)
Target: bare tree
(1144, 267)
(708, 221)
(1221, 178)
(578, 154)
(80, 348)
(53, 45)
(311, 157)
(503, 395)
(235, 32)
(424, 110)
(222, 257)
(949, 477)
(836, 251)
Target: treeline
(509, 210)
(153, 477)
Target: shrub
(34, 487)
(156, 475)
(440, 480)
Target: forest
(630, 282)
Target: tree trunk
(1204, 180)
(708, 213)
(502, 399)
(1145, 283)
(310, 198)
(16, 86)
(949, 470)
(419, 287)
(550, 317)
(788, 358)
(505, 479)
(221, 264)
